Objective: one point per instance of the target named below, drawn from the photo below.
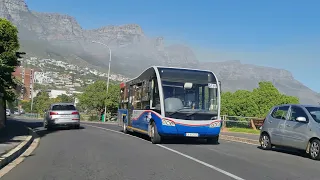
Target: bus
(168, 102)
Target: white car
(8, 112)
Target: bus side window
(145, 100)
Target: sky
(276, 33)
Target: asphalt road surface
(100, 151)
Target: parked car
(62, 114)
(294, 126)
(16, 112)
(8, 112)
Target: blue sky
(277, 33)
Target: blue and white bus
(171, 102)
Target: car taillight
(53, 113)
(74, 113)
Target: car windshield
(63, 107)
(191, 91)
(315, 113)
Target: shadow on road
(43, 132)
(190, 141)
(37, 125)
(13, 129)
(289, 151)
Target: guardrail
(241, 122)
(87, 117)
(31, 115)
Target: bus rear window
(63, 107)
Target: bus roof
(157, 67)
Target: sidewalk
(12, 135)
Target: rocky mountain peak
(128, 28)
(11, 9)
(59, 26)
(234, 69)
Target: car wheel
(124, 128)
(77, 126)
(214, 140)
(315, 149)
(155, 137)
(265, 141)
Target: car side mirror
(301, 119)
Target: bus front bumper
(189, 131)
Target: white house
(56, 93)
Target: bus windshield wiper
(177, 111)
(195, 111)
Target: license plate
(64, 115)
(192, 134)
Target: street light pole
(31, 89)
(105, 107)
(31, 100)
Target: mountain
(60, 37)
(235, 75)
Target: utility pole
(105, 107)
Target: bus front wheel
(155, 137)
(213, 140)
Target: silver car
(62, 114)
(294, 126)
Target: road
(100, 151)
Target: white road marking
(179, 153)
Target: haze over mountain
(61, 37)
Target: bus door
(130, 105)
(145, 104)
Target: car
(61, 114)
(16, 113)
(8, 112)
(293, 126)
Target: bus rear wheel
(124, 128)
(155, 137)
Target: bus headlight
(215, 124)
(167, 122)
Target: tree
(95, 97)
(26, 105)
(9, 45)
(37, 86)
(112, 101)
(41, 102)
(256, 103)
(65, 98)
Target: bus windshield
(200, 97)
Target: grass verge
(244, 130)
